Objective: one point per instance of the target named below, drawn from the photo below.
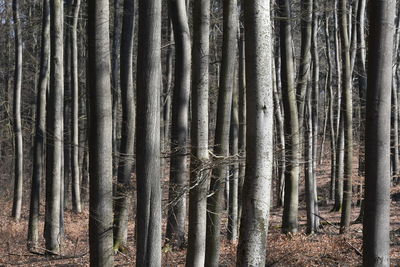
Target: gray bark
(18, 150)
(221, 143)
(148, 132)
(348, 118)
(76, 199)
(376, 227)
(179, 124)
(259, 138)
(54, 124)
(199, 135)
(292, 146)
(124, 184)
(40, 130)
(100, 136)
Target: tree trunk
(124, 184)
(292, 146)
(199, 136)
(348, 118)
(221, 143)
(376, 227)
(100, 136)
(234, 167)
(259, 156)
(76, 198)
(18, 150)
(54, 125)
(115, 82)
(148, 132)
(305, 59)
(40, 130)
(242, 119)
(180, 124)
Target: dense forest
(199, 133)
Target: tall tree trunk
(180, 124)
(348, 118)
(305, 59)
(148, 132)
(40, 130)
(234, 167)
(54, 125)
(76, 198)
(259, 156)
(100, 135)
(18, 149)
(315, 106)
(242, 119)
(292, 146)
(124, 184)
(221, 143)
(115, 82)
(199, 135)
(376, 227)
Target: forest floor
(326, 248)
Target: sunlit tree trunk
(54, 124)
(199, 136)
(259, 156)
(348, 118)
(18, 149)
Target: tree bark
(259, 156)
(100, 136)
(376, 225)
(54, 124)
(348, 118)
(292, 146)
(124, 184)
(199, 135)
(148, 132)
(179, 124)
(76, 198)
(221, 143)
(40, 130)
(18, 150)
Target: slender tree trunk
(309, 172)
(18, 149)
(100, 136)
(76, 198)
(348, 119)
(115, 82)
(148, 132)
(124, 184)
(40, 130)
(221, 144)
(242, 120)
(376, 227)
(234, 167)
(54, 125)
(199, 136)
(339, 169)
(292, 146)
(180, 124)
(259, 156)
(315, 107)
(305, 59)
